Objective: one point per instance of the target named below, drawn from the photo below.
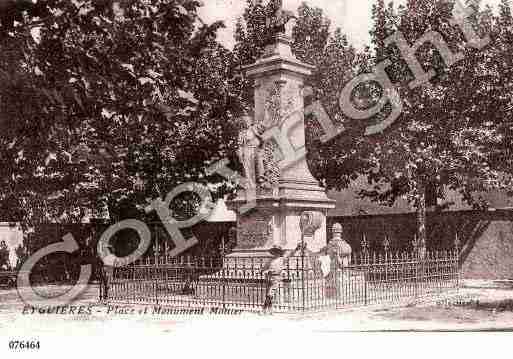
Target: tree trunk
(421, 220)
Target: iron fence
(306, 284)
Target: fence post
(456, 261)
(414, 259)
(100, 292)
(303, 299)
(366, 275)
(386, 245)
(156, 287)
(100, 280)
(365, 263)
(156, 247)
(223, 280)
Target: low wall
(486, 237)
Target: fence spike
(386, 243)
(389, 279)
(365, 244)
(457, 241)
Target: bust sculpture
(339, 248)
(310, 222)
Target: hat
(276, 251)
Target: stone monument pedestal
(274, 217)
(275, 221)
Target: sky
(353, 16)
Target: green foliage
(108, 104)
(105, 102)
(451, 132)
(448, 130)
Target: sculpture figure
(277, 19)
(251, 154)
(333, 260)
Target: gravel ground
(475, 307)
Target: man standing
(106, 273)
(273, 272)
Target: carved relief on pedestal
(272, 107)
(292, 100)
(281, 101)
(254, 229)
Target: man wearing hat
(106, 272)
(273, 272)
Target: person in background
(107, 265)
(104, 283)
(273, 273)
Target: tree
(102, 102)
(501, 50)
(384, 23)
(441, 140)
(448, 130)
(5, 264)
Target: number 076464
(24, 345)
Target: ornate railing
(305, 284)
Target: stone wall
(486, 237)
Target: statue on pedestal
(251, 154)
(257, 156)
(277, 19)
(277, 189)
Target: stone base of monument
(249, 269)
(248, 266)
(311, 292)
(276, 221)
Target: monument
(279, 189)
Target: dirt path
(421, 317)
